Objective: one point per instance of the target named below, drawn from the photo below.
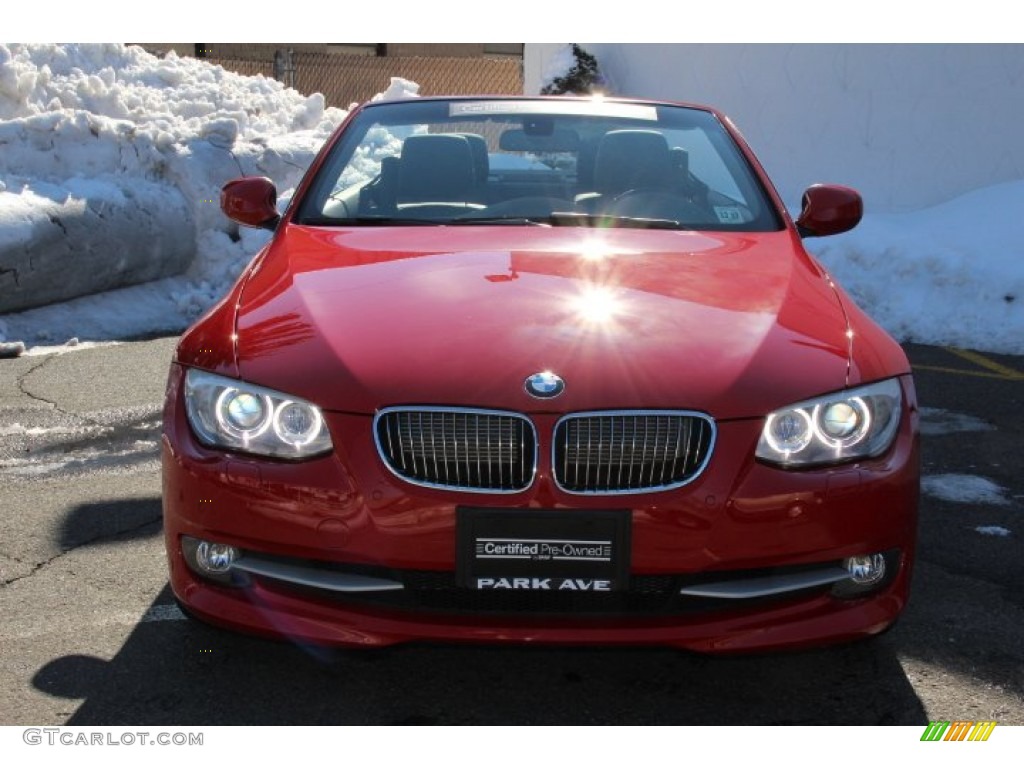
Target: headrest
(631, 159)
(436, 168)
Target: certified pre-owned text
(545, 550)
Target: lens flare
(597, 305)
(595, 250)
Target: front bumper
(347, 513)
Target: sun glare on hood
(595, 250)
(596, 305)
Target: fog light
(867, 574)
(865, 570)
(214, 558)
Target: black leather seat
(436, 169)
(631, 160)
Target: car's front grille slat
(643, 455)
(401, 446)
(630, 451)
(611, 449)
(522, 454)
(669, 459)
(501, 463)
(461, 449)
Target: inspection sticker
(729, 214)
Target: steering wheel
(533, 205)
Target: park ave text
(553, 584)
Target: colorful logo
(544, 385)
(959, 730)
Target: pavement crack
(24, 389)
(35, 569)
(95, 539)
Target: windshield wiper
(573, 219)
(530, 221)
(375, 221)
(556, 218)
(599, 220)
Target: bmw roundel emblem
(544, 385)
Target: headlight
(228, 413)
(843, 426)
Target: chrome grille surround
(618, 449)
(473, 450)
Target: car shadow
(120, 519)
(182, 672)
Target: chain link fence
(346, 79)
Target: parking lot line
(991, 369)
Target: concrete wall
(910, 126)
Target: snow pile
(400, 88)
(952, 274)
(100, 125)
(938, 421)
(967, 489)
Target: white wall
(908, 125)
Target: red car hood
(731, 324)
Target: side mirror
(829, 209)
(250, 200)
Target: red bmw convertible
(540, 370)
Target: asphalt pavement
(89, 633)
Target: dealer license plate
(543, 550)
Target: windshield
(537, 162)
